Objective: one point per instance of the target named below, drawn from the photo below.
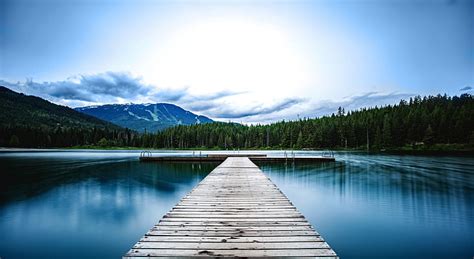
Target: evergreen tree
(14, 141)
(387, 132)
(299, 141)
(433, 120)
(429, 135)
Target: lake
(79, 204)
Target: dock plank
(236, 211)
(313, 253)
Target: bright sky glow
(251, 61)
(231, 54)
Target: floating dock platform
(236, 211)
(256, 158)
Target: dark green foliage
(432, 119)
(429, 136)
(29, 121)
(14, 141)
(21, 110)
(103, 142)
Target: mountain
(141, 117)
(19, 110)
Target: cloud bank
(224, 110)
(112, 87)
(109, 87)
(122, 87)
(317, 108)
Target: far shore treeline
(432, 121)
(418, 122)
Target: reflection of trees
(24, 178)
(418, 186)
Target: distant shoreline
(393, 151)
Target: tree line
(419, 121)
(44, 137)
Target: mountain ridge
(30, 121)
(145, 117)
(18, 109)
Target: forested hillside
(417, 122)
(29, 121)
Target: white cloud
(122, 87)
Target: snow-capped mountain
(141, 117)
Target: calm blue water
(98, 204)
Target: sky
(245, 61)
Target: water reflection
(98, 204)
(396, 205)
(26, 177)
(80, 208)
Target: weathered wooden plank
(231, 208)
(249, 210)
(239, 214)
(244, 197)
(235, 211)
(231, 239)
(229, 246)
(233, 220)
(237, 208)
(231, 215)
(241, 233)
(322, 252)
(221, 217)
(242, 203)
(235, 224)
(231, 228)
(240, 194)
(236, 198)
(237, 194)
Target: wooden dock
(223, 157)
(236, 211)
